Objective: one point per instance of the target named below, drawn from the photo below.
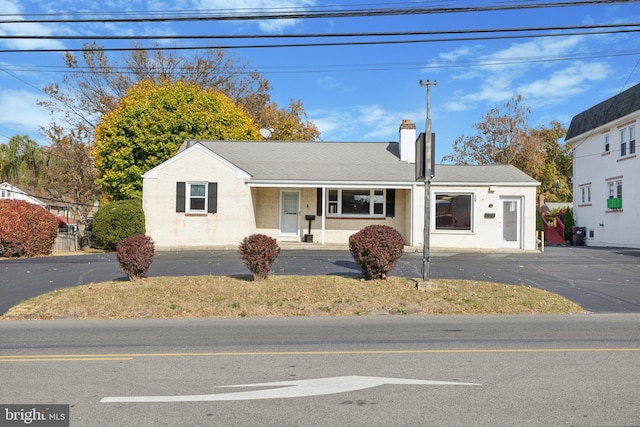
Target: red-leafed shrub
(26, 229)
(259, 252)
(376, 248)
(135, 255)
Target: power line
(248, 15)
(320, 68)
(321, 44)
(320, 35)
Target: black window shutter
(319, 202)
(391, 202)
(212, 197)
(180, 196)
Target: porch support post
(324, 214)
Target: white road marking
(285, 389)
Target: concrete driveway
(602, 280)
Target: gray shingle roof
(607, 111)
(375, 162)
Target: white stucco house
(8, 191)
(606, 170)
(215, 193)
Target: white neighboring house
(606, 170)
(8, 191)
(215, 193)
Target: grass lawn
(220, 296)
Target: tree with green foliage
(555, 177)
(569, 222)
(117, 220)
(23, 163)
(149, 125)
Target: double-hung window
(607, 145)
(614, 200)
(356, 202)
(628, 140)
(197, 197)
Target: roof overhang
(330, 184)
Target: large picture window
(356, 202)
(453, 211)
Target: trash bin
(577, 235)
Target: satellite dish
(266, 133)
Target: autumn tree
(503, 137)
(71, 174)
(149, 125)
(97, 82)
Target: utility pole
(428, 162)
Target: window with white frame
(585, 192)
(453, 212)
(612, 191)
(197, 201)
(623, 142)
(607, 145)
(197, 197)
(628, 140)
(356, 202)
(615, 189)
(619, 189)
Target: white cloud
(361, 123)
(259, 6)
(10, 7)
(564, 83)
(20, 111)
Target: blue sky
(357, 92)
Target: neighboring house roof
(344, 162)
(621, 105)
(14, 193)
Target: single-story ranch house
(215, 193)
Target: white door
(510, 222)
(289, 213)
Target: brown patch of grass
(219, 296)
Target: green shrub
(117, 220)
(568, 223)
(135, 255)
(376, 248)
(259, 252)
(26, 229)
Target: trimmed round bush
(259, 252)
(135, 255)
(117, 220)
(376, 248)
(26, 229)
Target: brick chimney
(407, 141)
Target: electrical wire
(247, 15)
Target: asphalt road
(600, 280)
(579, 370)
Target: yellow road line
(129, 356)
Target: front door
(510, 222)
(289, 213)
